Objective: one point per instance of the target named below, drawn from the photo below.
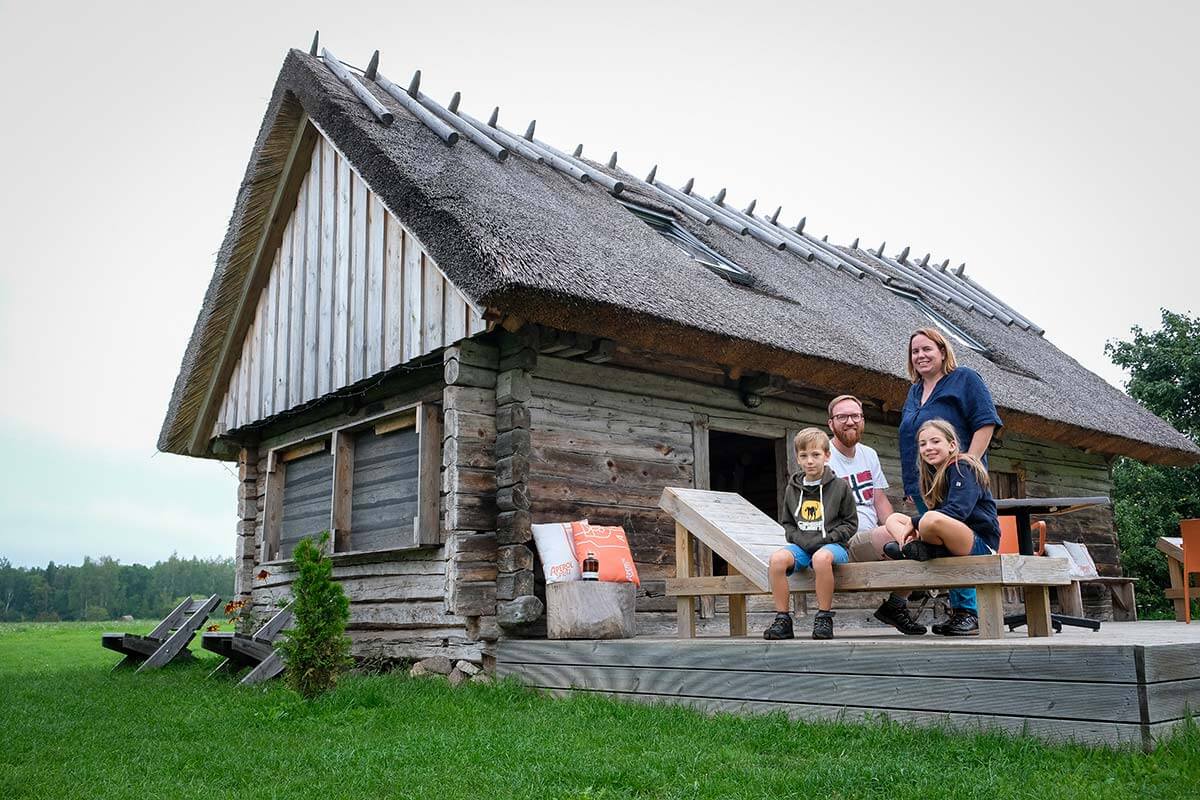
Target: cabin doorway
(750, 466)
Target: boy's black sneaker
(898, 617)
(917, 550)
(961, 623)
(823, 625)
(780, 628)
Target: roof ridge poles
(928, 286)
(455, 121)
(607, 181)
(684, 208)
(824, 251)
(978, 298)
(719, 217)
(824, 246)
(1021, 318)
(361, 92)
(554, 161)
(752, 227)
(513, 143)
(446, 133)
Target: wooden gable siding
(351, 293)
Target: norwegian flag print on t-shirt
(863, 485)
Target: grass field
(69, 728)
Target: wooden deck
(1131, 683)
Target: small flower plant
(240, 614)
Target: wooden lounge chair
(256, 651)
(745, 537)
(167, 641)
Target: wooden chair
(167, 641)
(256, 651)
(1189, 534)
(1070, 597)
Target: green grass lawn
(69, 728)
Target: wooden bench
(168, 640)
(745, 537)
(256, 651)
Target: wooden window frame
(424, 416)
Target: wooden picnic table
(1023, 508)
(1172, 548)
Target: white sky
(1050, 146)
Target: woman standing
(943, 390)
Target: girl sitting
(962, 516)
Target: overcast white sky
(1051, 146)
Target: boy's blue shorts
(803, 559)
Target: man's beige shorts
(861, 547)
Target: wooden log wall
(351, 293)
(469, 485)
(605, 441)
(514, 556)
(244, 550)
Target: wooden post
(738, 622)
(273, 508)
(685, 607)
(991, 611)
(702, 479)
(1037, 609)
(1175, 568)
(429, 477)
(1070, 599)
(343, 490)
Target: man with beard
(859, 465)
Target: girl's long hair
(933, 481)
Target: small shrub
(96, 614)
(316, 646)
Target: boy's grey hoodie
(836, 523)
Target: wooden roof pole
(513, 143)
(361, 92)
(401, 96)
(456, 121)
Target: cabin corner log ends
(745, 538)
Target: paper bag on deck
(611, 547)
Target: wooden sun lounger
(745, 537)
(256, 651)
(167, 641)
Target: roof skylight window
(682, 238)
(942, 323)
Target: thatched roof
(526, 239)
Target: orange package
(611, 548)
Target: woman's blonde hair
(949, 364)
(933, 481)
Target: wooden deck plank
(1170, 662)
(1096, 702)
(1009, 659)
(1102, 733)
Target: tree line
(103, 588)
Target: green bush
(96, 614)
(316, 646)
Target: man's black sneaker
(917, 550)
(898, 617)
(780, 628)
(961, 623)
(892, 550)
(823, 625)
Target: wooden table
(1025, 507)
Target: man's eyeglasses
(844, 418)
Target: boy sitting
(819, 517)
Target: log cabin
(426, 331)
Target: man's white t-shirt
(865, 476)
